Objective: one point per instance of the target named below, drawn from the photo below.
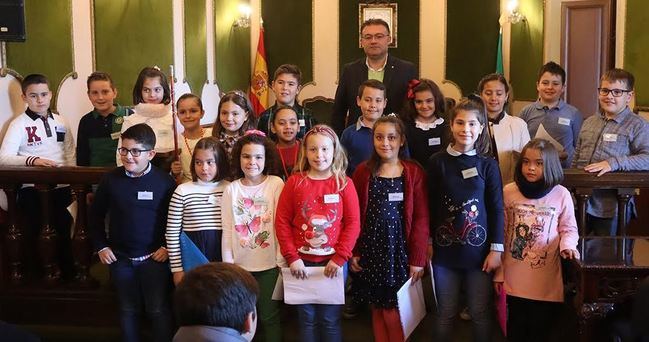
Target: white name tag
(468, 173)
(60, 129)
(331, 198)
(115, 135)
(610, 137)
(145, 195)
(434, 141)
(564, 121)
(214, 200)
(302, 122)
(164, 133)
(395, 196)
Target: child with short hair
(135, 197)
(235, 118)
(393, 243)
(190, 112)
(357, 138)
(38, 137)
(285, 127)
(152, 100)
(196, 207)
(250, 207)
(508, 133)
(540, 229)
(466, 211)
(558, 119)
(287, 83)
(99, 130)
(616, 139)
(317, 224)
(423, 113)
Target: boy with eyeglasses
(135, 197)
(616, 139)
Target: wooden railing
(26, 299)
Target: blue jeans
(320, 322)
(479, 287)
(143, 284)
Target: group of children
(289, 193)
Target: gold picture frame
(385, 11)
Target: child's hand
(354, 264)
(44, 162)
(106, 256)
(601, 167)
(331, 270)
(491, 262)
(416, 273)
(178, 276)
(570, 254)
(498, 287)
(298, 270)
(160, 255)
(176, 168)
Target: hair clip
(392, 115)
(254, 132)
(411, 86)
(156, 67)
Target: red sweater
(415, 207)
(316, 223)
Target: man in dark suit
(393, 72)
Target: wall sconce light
(513, 15)
(243, 20)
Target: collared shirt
(132, 175)
(561, 122)
(623, 141)
(456, 153)
(304, 117)
(97, 137)
(376, 74)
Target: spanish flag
(259, 81)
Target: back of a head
(33, 79)
(141, 134)
(216, 294)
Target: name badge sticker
(302, 122)
(331, 198)
(60, 129)
(395, 196)
(260, 201)
(564, 121)
(145, 195)
(610, 137)
(434, 141)
(468, 173)
(115, 135)
(214, 200)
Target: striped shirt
(194, 206)
(622, 141)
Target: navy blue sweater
(466, 206)
(137, 209)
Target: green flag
(499, 54)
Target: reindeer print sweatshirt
(315, 222)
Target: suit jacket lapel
(388, 71)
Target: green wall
(48, 47)
(130, 35)
(407, 31)
(232, 47)
(195, 44)
(471, 41)
(285, 43)
(526, 56)
(636, 48)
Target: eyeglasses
(615, 92)
(135, 152)
(377, 36)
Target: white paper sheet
(316, 289)
(412, 308)
(432, 280)
(542, 133)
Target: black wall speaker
(12, 20)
